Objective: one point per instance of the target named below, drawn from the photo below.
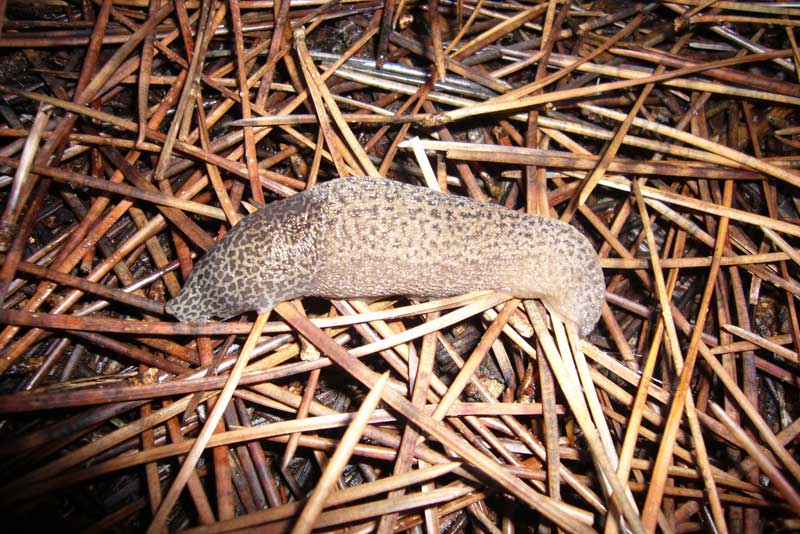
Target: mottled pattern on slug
(368, 237)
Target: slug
(372, 237)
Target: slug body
(370, 237)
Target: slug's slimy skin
(370, 237)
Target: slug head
(564, 270)
(203, 296)
(581, 302)
(581, 309)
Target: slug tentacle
(370, 237)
